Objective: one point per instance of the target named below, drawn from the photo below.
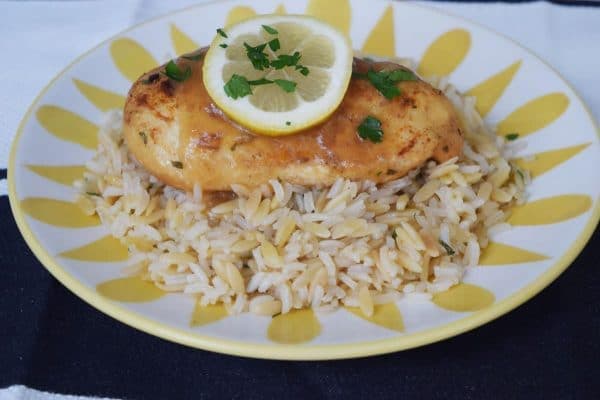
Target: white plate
(514, 89)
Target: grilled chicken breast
(176, 132)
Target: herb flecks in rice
(282, 246)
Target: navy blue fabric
(51, 340)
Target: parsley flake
(394, 235)
(286, 60)
(257, 56)
(370, 129)
(270, 30)
(303, 70)
(402, 75)
(512, 136)
(144, 137)
(223, 45)
(520, 173)
(274, 44)
(93, 194)
(262, 81)
(287, 86)
(222, 33)
(384, 85)
(288, 123)
(237, 87)
(177, 164)
(173, 71)
(385, 81)
(449, 250)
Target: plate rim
(291, 351)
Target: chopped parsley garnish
(197, 57)
(287, 86)
(512, 136)
(223, 45)
(173, 71)
(370, 129)
(262, 81)
(520, 173)
(385, 81)
(257, 56)
(222, 33)
(144, 137)
(394, 235)
(270, 30)
(286, 60)
(177, 164)
(402, 75)
(449, 250)
(274, 44)
(303, 70)
(93, 194)
(237, 87)
(288, 123)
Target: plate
(514, 90)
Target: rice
(281, 246)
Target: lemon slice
(321, 75)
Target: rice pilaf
(282, 246)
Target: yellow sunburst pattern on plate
(503, 254)
(106, 249)
(335, 12)
(445, 54)
(66, 125)
(297, 326)
(551, 210)
(541, 163)
(384, 29)
(441, 57)
(58, 213)
(489, 91)
(63, 174)
(104, 100)
(182, 42)
(130, 290)
(203, 315)
(131, 58)
(534, 115)
(238, 14)
(464, 297)
(385, 315)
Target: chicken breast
(176, 132)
